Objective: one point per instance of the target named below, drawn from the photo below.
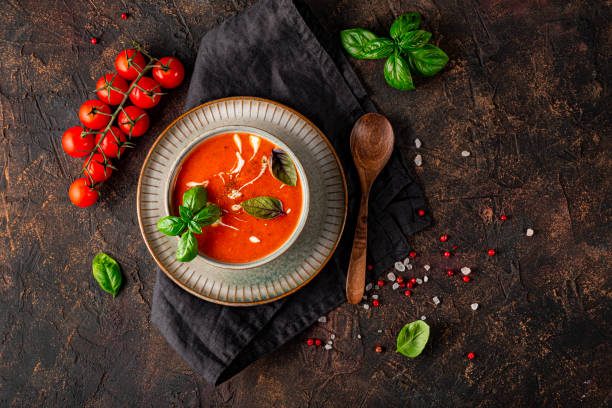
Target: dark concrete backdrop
(527, 93)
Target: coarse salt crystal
(366, 306)
(427, 267)
(391, 276)
(417, 143)
(436, 300)
(395, 286)
(465, 270)
(368, 287)
(379, 331)
(419, 281)
(333, 336)
(418, 160)
(423, 317)
(409, 267)
(465, 153)
(359, 336)
(330, 342)
(425, 278)
(328, 347)
(400, 266)
(374, 296)
(474, 306)
(322, 319)
(407, 261)
(529, 232)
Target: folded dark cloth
(276, 50)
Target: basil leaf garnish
(377, 48)
(413, 40)
(107, 272)
(403, 24)
(283, 168)
(412, 339)
(187, 248)
(208, 215)
(194, 227)
(171, 225)
(263, 207)
(195, 198)
(397, 73)
(186, 213)
(428, 60)
(355, 39)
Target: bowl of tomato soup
(261, 216)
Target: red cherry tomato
(94, 114)
(76, 144)
(96, 170)
(111, 142)
(111, 89)
(146, 93)
(129, 63)
(81, 194)
(133, 121)
(169, 72)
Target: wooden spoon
(371, 145)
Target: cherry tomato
(76, 144)
(81, 194)
(169, 72)
(111, 89)
(94, 114)
(96, 169)
(129, 63)
(133, 119)
(146, 93)
(111, 141)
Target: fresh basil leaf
(107, 272)
(194, 227)
(355, 39)
(186, 213)
(413, 40)
(195, 198)
(378, 48)
(428, 60)
(403, 24)
(283, 168)
(263, 207)
(171, 225)
(412, 339)
(208, 215)
(187, 248)
(397, 73)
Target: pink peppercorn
(400, 280)
(471, 356)
(491, 252)
(375, 303)
(421, 213)
(413, 281)
(412, 254)
(379, 349)
(503, 218)
(310, 342)
(124, 16)
(380, 283)
(466, 278)
(450, 272)
(447, 254)
(94, 40)
(370, 267)
(409, 285)
(408, 293)
(444, 238)
(317, 342)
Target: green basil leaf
(187, 248)
(208, 215)
(171, 225)
(107, 272)
(378, 48)
(413, 40)
(428, 60)
(397, 73)
(355, 39)
(186, 213)
(194, 227)
(263, 207)
(195, 198)
(283, 168)
(403, 24)
(412, 339)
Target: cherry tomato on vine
(146, 93)
(129, 63)
(81, 194)
(76, 144)
(111, 89)
(94, 114)
(169, 72)
(134, 119)
(97, 169)
(112, 140)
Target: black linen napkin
(276, 50)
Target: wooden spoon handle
(355, 281)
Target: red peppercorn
(408, 293)
(379, 349)
(380, 283)
(412, 254)
(310, 342)
(421, 213)
(444, 238)
(447, 254)
(450, 272)
(94, 40)
(400, 280)
(124, 16)
(402, 285)
(413, 281)
(317, 342)
(454, 246)
(409, 285)
(466, 278)
(491, 252)
(370, 267)
(503, 217)
(471, 356)
(375, 302)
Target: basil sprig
(195, 213)
(406, 50)
(412, 339)
(107, 272)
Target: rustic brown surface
(527, 92)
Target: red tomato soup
(235, 167)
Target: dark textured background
(527, 92)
